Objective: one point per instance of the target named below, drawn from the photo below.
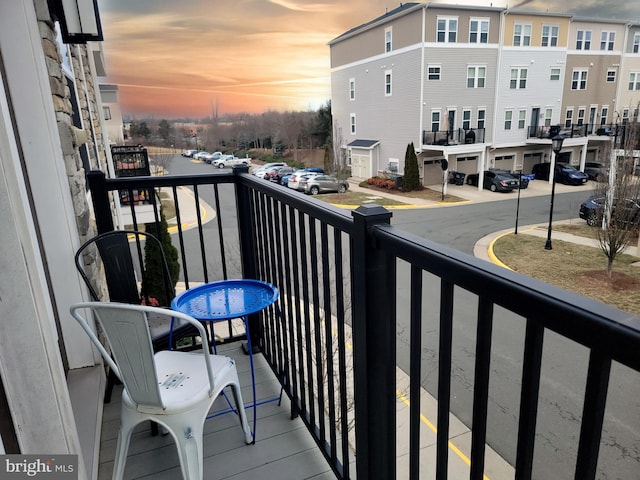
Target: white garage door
(360, 166)
(466, 165)
(432, 174)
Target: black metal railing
(550, 131)
(454, 136)
(350, 282)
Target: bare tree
(338, 160)
(618, 220)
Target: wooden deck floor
(283, 450)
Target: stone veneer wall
(86, 89)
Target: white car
(198, 155)
(210, 157)
(230, 161)
(294, 180)
(260, 171)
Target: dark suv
(564, 173)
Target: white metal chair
(173, 388)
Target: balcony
(550, 131)
(457, 136)
(350, 283)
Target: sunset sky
(189, 58)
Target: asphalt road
(564, 363)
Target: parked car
(229, 161)
(564, 173)
(524, 178)
(188, 153)
(496, 181)
(290, 176)
(592, 210)
(198, 155)
(279, 173)
(210, 157)
(324, 184)
(595, 171)
(260, 171)
(295, 180)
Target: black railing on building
(455, 136)
(351, 278)
(550, 131)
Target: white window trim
(519, 78)
(568, 118)
(551, 75)
(508, 119)
(467, 120)
(439, 67)
(482, 118)
(634, 81)
(352, 123)
(480, 21)
(580, 72)
(438, 121)
(388, 85)
(522, 35)
(584, 41)
(635, 48)
(352, 89)
(388, 39)
(476, 77)
(550, 35)
(607, 37)
(447, 31)
(522, 119)
(613, 77)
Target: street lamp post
(556, 146)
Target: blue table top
(225, 299)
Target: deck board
(284, 449)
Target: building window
(625, 116)
(433, 72)
(106, 111)
(568, 117)
(466, 120)
(479, 30)
(581, 112)
(611, 75)
(522, 118)
(548, 113)
(387, 40)
(387, 83)
(352, 123)
(579, 80)
(521, 35)
(447, 30)
(508, 117)
(482, 114)
(476, 77)
(555, 74)
(435, 121)
(634, 81)
(583, 40)
(603, 115)
(550, 35)
(518, 78)
(607, 40)
(636, 43)
(352, 89)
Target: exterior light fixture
(556, 146)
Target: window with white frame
(433, 72)
(555, 73)
(349, 157)
(522, 119)
(518, 78)
(611, 75)
(447, 29)
(548, 114)
(387, 83)
(476, 76)
(479, 30)
(636, 43)
(604, 113)
(607, 39)
(625, 116)
(522, 35)
(508, 117)
(435, 121)
(583, 40)
(352, 89)
(387, 40)
(550, 35)
(568, 118)
(581, 112)
(352, 123)
(482, 116)
(466, 119)
(106, 111)
(579, 80)
(634, 81)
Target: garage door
(360, 167)
(432, 173)
(530, 159)
(466, 165)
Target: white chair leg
(122, 448)
(189, 442)
(237, 396)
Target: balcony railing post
(100, 200)
(247, 245)
(374, 340)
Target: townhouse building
(480, 87)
